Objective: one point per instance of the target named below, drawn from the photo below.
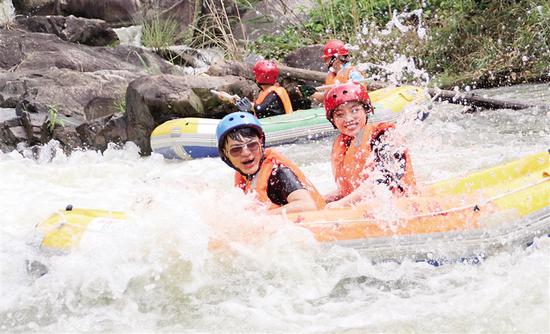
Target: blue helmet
(234, 121)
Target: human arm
(285, 189)
(298, 201)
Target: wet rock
(100, 132)
(11, 130)
(33, 124)
(72, 29)
(308, 57)
(66, 136)
(153, 100)
(121, 12)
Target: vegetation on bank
(467, 42)
(475, 42)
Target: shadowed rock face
(72, 29)
(34, 7)
(112, 11)
(308, 57)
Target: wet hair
(241, 134)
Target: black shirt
(390, 162)
(272, 105)
(282, 183)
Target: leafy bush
(464, 40)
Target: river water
(155, 273)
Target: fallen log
(472, 99)
(469, 99)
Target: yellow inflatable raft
(480, 213)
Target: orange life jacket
(350, 164)
(330, 78)
(343, 75)
(260, 181)
(281, 92)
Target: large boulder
(129, 12)
(307, 57)
(73, 29)
(271, 17)
(46, 78)
(34, 7)
(113, 11)
(153, 100)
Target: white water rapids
(155, 274)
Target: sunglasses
(252, 146)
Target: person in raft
(340, 69)
(273, 99)
(276, 181)
(364, 155)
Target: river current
(155, 273)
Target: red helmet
(266, 72)
(341, 94)
(334, 48)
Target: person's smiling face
(245, 155)
(350, 118)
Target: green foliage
(159, 33)
(120, 105)
(278, 46)
(488, 38)
(465, 39)
(344, 18)
(52, 118)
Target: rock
(183, 12)
(99, 133)
(11, 130)
(270, 18)
(308, 57)
(44, 76)
(34, 7)
(120, 12)
(33, 125)
(198, 59)
(72, 29)
(66, 136)
(153, 100)
(92, 80)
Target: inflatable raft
(188, 138)
(478, 214)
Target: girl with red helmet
(276, 181)
(340, 70)
(273, 99)
(364, 155)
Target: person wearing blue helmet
(276, 181)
